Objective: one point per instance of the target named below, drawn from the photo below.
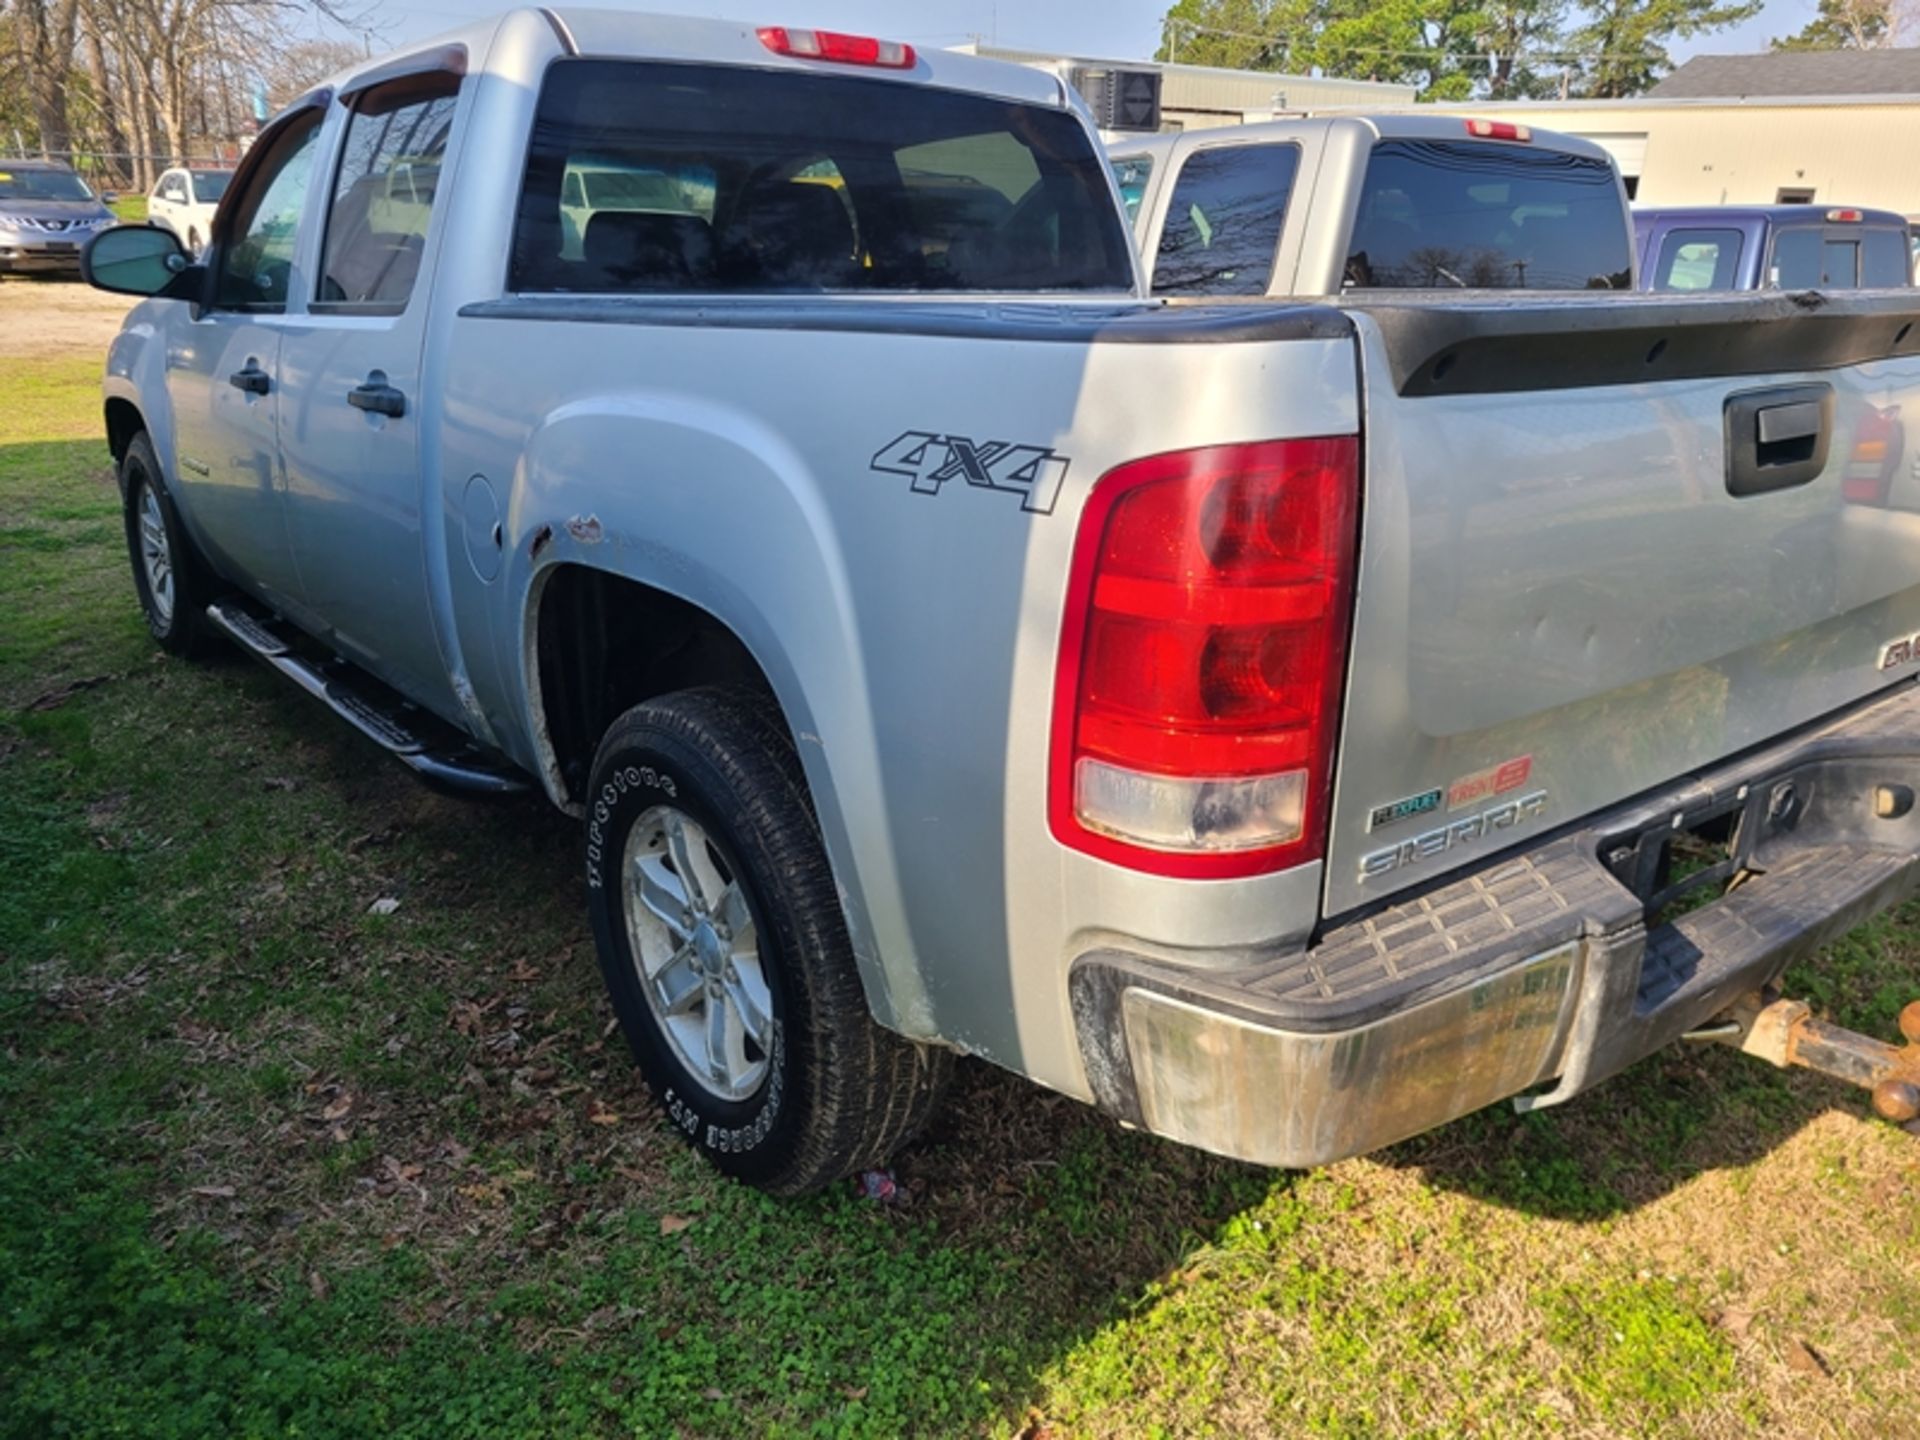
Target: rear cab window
(1445, 214)
(1223, 222)
(1808, 258)
(1697, 259)
(655, 177)
(383, 193)
(1884, 264)
(1798, 259)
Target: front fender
(705, 502)
(136, 372)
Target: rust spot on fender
(542, 538)
(585, 529)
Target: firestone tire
(735, 982)
(170, 580)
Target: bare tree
(299, 67)
(128, 87)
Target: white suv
(184, 201)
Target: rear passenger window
(1840, 265)
(654, 177)
(1223, 223)
(383, 195)
(1698, 260)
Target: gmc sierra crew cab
(1355, 203)
(1286, 726)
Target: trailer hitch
(1785, 1033)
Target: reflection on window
(383, 196)
(1132, 174)
(1441, 214)
(650, 176)
(597, 184)
(1223, 222)
(257, 264)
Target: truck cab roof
(628, 35)
(1370, 126)
(1329, 203)
(1790, 214)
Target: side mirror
(107, 197)
(136, 260)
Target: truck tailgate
(1605, 543)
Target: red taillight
(836, 47)
(1878, 444)
(1201, 658)
(1499, 130)
(1845, 217)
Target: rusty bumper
(1536, 976)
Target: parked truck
(1355, 203)
(1771, 247)
(1285, 726)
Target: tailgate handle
(1777, 438)
(1780, 424)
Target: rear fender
(707, 504)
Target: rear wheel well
(123, 423)
(606, 643)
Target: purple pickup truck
(1771, 247)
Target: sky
(1107, 29)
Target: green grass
(271, 1166)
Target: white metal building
(1195, 96)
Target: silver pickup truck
(1339, 204)
(1285, 726)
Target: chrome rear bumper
(1537, 969)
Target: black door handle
(378, 396)
(1777, 438)
(251, 378)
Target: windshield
(41, 185)
(1448, 214)
(210, 185)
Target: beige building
(1837, 127)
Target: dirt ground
(46, 319)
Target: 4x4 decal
(1033, 472)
